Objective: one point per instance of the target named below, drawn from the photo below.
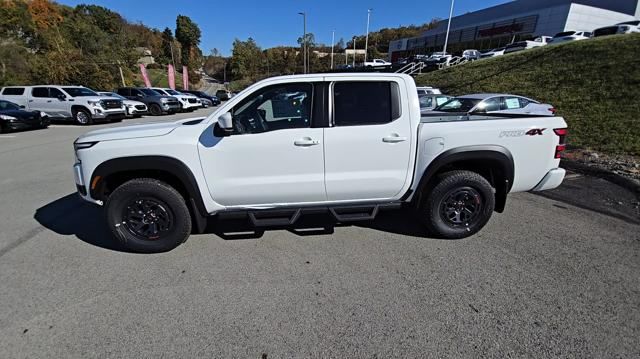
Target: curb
(628, 183)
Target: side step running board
(274, 217)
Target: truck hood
(135, 131)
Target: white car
(133, 108)
(527, 44)
(496, 104)
(569, 36)
(626, 27)
(493, 53)
(271, 155)
(428, 90)
(188, 102)
(377, 63)
(76, 103)
(471, 55)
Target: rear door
(40, 100)
(368, 143)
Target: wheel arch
(493, 162)
(112, 173)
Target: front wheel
(155, 109)
(148, 216)
(459, 205)
(82, 117)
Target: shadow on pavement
(70, 215)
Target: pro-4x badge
(535, 131)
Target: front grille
(107, 104)
(193, 100)
(141, 107)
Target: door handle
(306, 142)
(49, 101)
(393, 138)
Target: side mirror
(62, 97)
(226, 121)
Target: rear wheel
(459, 205)
(155, 109)
(82, 117)
(148, 216)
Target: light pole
(366, 40)
(333, 42)
(446, 38)
(304, 41)
(354, 52)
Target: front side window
(55, 93)
(150, 92)
(426, 101)
(362, 103)
(458, 105)
(490, 104)
(274, 108)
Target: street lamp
(333, 42)
(366, 40)
(446, 38)
(354, 51)
(304, 41)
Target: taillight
(552, 110)
(562, 144)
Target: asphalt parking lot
(554, 276)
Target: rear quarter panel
(533, 154)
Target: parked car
(499, 51)
(427, 90)
(13, 117)
(569, 36)
(471, 55)
(496, 104)
(133, 108)
(431, 101)
(223, 95)
(214, 100)
(77, 103)
(626, 27)
(160, 182)
(157, 103)
(377, 63)
(188, 102)
(527, 44)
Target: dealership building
(500, 25)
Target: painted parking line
(6, 136)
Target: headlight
(164, 100)
(43, 114)
(93, 102)
(131, 106)
(7, 117)
(83, 145)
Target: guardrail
(411, 68)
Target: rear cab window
(357, 103)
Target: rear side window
(13, 91)
(511, 103)
(40, 92)
(365, 103)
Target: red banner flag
(172, 77)
(145, 76)
(185, 78)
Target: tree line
(45, 42)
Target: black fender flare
(495, 153)
(166, 164)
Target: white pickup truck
(348, 145)
(80, 104)
(377, 63)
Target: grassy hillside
(594, 85)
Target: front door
(274, 155)
(368, 146)
(60, 103)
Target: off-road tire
(126, 199)
(470, 188)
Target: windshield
(111, 94)
(635, 23)
(172, 92)
(79, 91)
(150, 92)
(458, 105)
(6, 105)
